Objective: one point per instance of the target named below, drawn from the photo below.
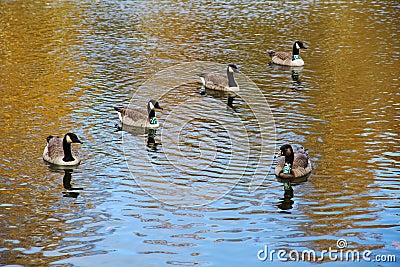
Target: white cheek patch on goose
(68, 139)
(151, 106)
(297, 46)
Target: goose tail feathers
(48, 138)
(271, 53)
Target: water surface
(64, 65)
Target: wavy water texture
(184, 196)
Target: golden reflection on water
(37, 81)
(356, 77)
(346, 113)
(39, 73)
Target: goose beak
(279, 154)
(305, 47)
(76, 140)
(157, 107)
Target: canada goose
(58, 150)
(140, 117)
(286, 58)
(293, 165)
(217, 81)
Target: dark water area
(201, 190)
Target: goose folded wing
(134, 114)
(283, 55)
(300, 160)
(216, 79)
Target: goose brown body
(139, 117)
(59, 151)
(300, 165)
(288, 58)
(220, 82)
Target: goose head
(232, 68)
(72, 138)
(287, 151)
(296, 49)
(298, 45)
(153, 105)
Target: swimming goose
(216, 81)
(293, 165)
(140, 117)
(286, 58)
(58, 150)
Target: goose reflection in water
(296, 82)
(286, 203)
(152, 145)
(150, 134)
(71, 191)
(294, 74)
(229, 97)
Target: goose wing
(300, 160)
(216, 79)
(54, 147)
(283, 55)
(301, 164)
(131, 113)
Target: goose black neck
(152, 114)
(289, 159)
(296, 52)
(67, 151)
(231, 79)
